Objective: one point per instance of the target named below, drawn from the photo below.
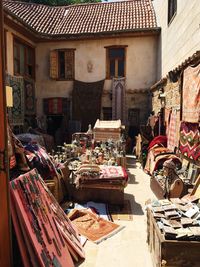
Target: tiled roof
(84, 18)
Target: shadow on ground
(136, 207)
(131, 178)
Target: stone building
(179, 46)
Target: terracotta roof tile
(84, 18)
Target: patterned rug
(86, 102)
(92, 226)
(173, 130)
(118, 99)
(190, 140)
(191, 94)
(16, 113)
(29, 96)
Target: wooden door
(5, 244)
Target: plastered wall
(181, 38)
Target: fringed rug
(86, 102)
(118, 99)
(118, 213)
(92, 226)
(16, 113)
(191, 94)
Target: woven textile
(118, 99)
(16, 113)
(92, 226)
(167, 117)
(190, 140)
(191, 94)
(86, 102)
(171, 140)
(29, 96)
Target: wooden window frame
(172, 10)
(108, 48)
(58, 64)
(16, 43)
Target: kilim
(118, 99)
(190, 140)
(29, 96)
(171, 140)
(191, 94)
(16, 113)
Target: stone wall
(172, 96)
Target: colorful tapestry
(29, 96)
(190, 140)
(191, 94)
(16, 113)
(118, 99)
(86, 102)
(171, 138)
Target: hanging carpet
(118, 99)
(86, 102)
(190, 140)
(16, 113)
(191, 94)
(173, 129)
(29, 96)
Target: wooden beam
(5, 233)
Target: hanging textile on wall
(86, 102)
(118, 99)
(173, 130)
(178, 123)
(167, 117)
(16, 113)
(191, 94)
(190, 140)
(29, 96)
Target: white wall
(181, 38)
(140, 65)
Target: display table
(109, 195)
(170, 253)
(108, 186)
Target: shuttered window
(62, 64)
(24, 59)
(116, 60)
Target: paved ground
(127, 248)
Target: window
(115, 62)
(24, 59)
(62, 64)
(107, 113)
(134, 116)
(172, 8)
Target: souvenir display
(46, 236)
(179, 219)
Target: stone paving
(127, 248)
